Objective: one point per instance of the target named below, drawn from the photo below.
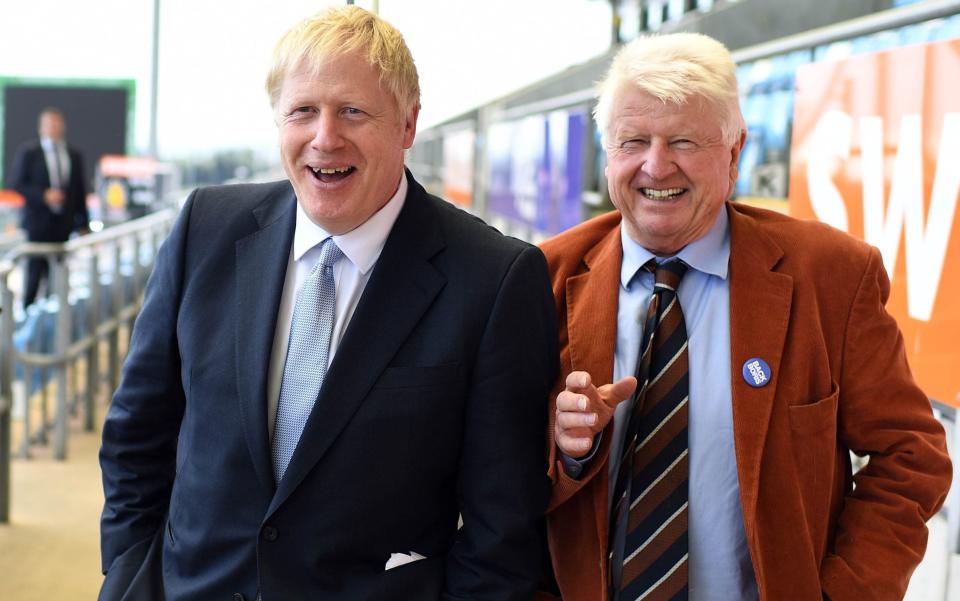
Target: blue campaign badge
(756, 372)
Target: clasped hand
(583, 410)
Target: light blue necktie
(58, 169)
(308, 351)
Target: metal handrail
(100, 257)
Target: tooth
(652, 193)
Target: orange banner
(876, 152)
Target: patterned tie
(56, 175)
(648, 558)
(308, 351)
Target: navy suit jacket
(31, 180)
(434, 406)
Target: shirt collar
(363, 244)
(709, 254)
(49, 144)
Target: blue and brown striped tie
(648, 558)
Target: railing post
(138, 268)
(93, 353)
(61, 278)
(28, 375)
(116, 292)
(41, 436)
(6, 393)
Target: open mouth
(665, 194)
(332, 174)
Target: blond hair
(341, 30)
(674, 68)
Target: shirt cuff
(574, 466)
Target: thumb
(619, 391)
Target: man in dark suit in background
(328, 371)
(49, 174)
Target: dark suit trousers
(37, 269)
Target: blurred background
(184, 79)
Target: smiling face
(669, 169)
(342, 141)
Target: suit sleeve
(503, 486)
(881, 532)
(23, 181)
(78, 189)
(139, 447)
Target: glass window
(654, 15)
(766, 98)
(676, 9)
(929, 31)
(629, 11)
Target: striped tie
(648, 558)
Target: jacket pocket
(813, 432)
(819, 416)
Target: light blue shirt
(720, 567)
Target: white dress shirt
(720, 567)
(361, 248)
(52, 152)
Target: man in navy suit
(442, 350)
(49, 175)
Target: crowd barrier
(95, 287)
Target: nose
(658, 163)
(328, 135)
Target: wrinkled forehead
(631, 99)
(639, 108)
(313, 66)
(633, 103)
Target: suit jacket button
(270, 533)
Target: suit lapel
(593, 298)
(402, 286)
(760, 301)
(592, 302)
(261, 269)
(40, 164)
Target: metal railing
(97, 285)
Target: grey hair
(674, 68)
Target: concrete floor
(50, 549)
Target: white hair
(674, 68)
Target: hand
(53, 197)
(583, 410)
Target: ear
(735, 151)
(410, 126)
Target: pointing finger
(619, 391)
